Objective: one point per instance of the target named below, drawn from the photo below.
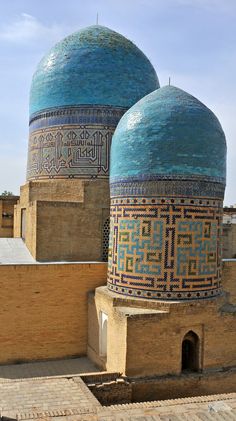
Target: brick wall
(64, 219)
(109, 388)
(183, 386)
(43, 312)
(145, 337)
(229, 279)
(229, 241)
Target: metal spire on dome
(97, 19)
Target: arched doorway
(190, 352)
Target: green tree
(7, 193)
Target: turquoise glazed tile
(169, 133)
(94, 66)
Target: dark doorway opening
(190, 352)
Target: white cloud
(27, 28)
(223, 5)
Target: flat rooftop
(14, 251)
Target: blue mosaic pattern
(93, 66)
(196, 248)
(140, 241)
(165, 250)
(159, 186)
(85, 114)
(171, 134)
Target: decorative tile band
(163, 200)
(62, 148)
(78, 115)
(165, 250)
(190, 187)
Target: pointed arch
(190, 352)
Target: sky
(192, 41)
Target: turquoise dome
(167, 135)
(94, 66)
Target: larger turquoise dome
(168, 134)
(94, 66)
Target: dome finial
(169, 80)
(97, 19)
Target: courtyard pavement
(47, 368)
(54, 391)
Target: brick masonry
(43, 312)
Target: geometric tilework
(174, 185)
(139, 247)
(78, 115)
(71, 143)
(165, 250)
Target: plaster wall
(116, 334)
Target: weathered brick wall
(56, 190)
(145, 337)
(112, 392)
(109, 388)
(184, 386)
(156, 339)
(64, 219)
(229, 279)
(68, 231)
(229, 241)
(43, 312)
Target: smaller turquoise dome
(168, 134)
(94, 66)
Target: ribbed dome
(94, 66)
(166, 134)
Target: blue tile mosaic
(167, 134)
(168, 160)
(92, 66)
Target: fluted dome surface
(94, 66)
(166, 134)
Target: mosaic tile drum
(168, 161)
(79, 92)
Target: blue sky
(193, 41)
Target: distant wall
(43, 312)
(7, 215)
(229, 241)
(229, 279)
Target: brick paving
(67, 398)
(51, 396)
